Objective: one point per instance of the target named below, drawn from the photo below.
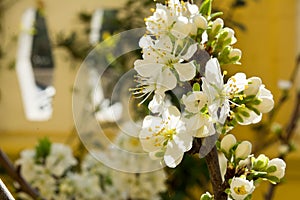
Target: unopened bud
(260, 163)
(228, 142)
(243, 150)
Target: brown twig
(12, 171)
(215, 174)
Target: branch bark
(12, 171)
(212, 161)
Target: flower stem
(212, 161)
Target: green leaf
(42, 149)
(227, 191)
(196, 87)
(244, 113)
(205, 8)
(215, 15)
(239, 118)
(271, 169)
(206, 196)
(249, 197)
(273, 179)
(159, 154)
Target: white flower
(227, 142)
(161, 65)
(178, 18)
(60, 159)
(243, 150)
(257, 89)
(280, 167)
(199, 122)
(166, 136)
(213, 87)
(240, 188)
(161, 20)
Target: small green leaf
(273, 179)
(271, 169)
(159, 154)
(196, 87)
(244, 113)
(215, 15)
(227, 191)
(206, 196)
(205, 8)
(42, 149)
(239, 118)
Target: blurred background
(40, 105)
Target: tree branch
(12, 171)
(212, 161)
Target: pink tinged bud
(243, 150)
(228, 142)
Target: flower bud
(228, 142)
(217, 25)
(260, 163)
(280, 167)
(243, 150)
(235, 53)
(230, 35)
(200, 21)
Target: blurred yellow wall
(269, 46)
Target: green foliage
(42, 149)
(196, 87)
(205, 8)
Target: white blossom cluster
(185, 45)
(58, 175)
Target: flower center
(240, 190)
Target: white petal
(173, 155)
(146, 41)
(253, 86)
(267, 103)
(183, 140)
(157, 103)
(166, 80)
(190, 52)
(147, 69)
(186, 71)
(172, 115)
(164, 44)
(181, 28)
(213, 73)
(252, 119)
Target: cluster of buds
(243, 171)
